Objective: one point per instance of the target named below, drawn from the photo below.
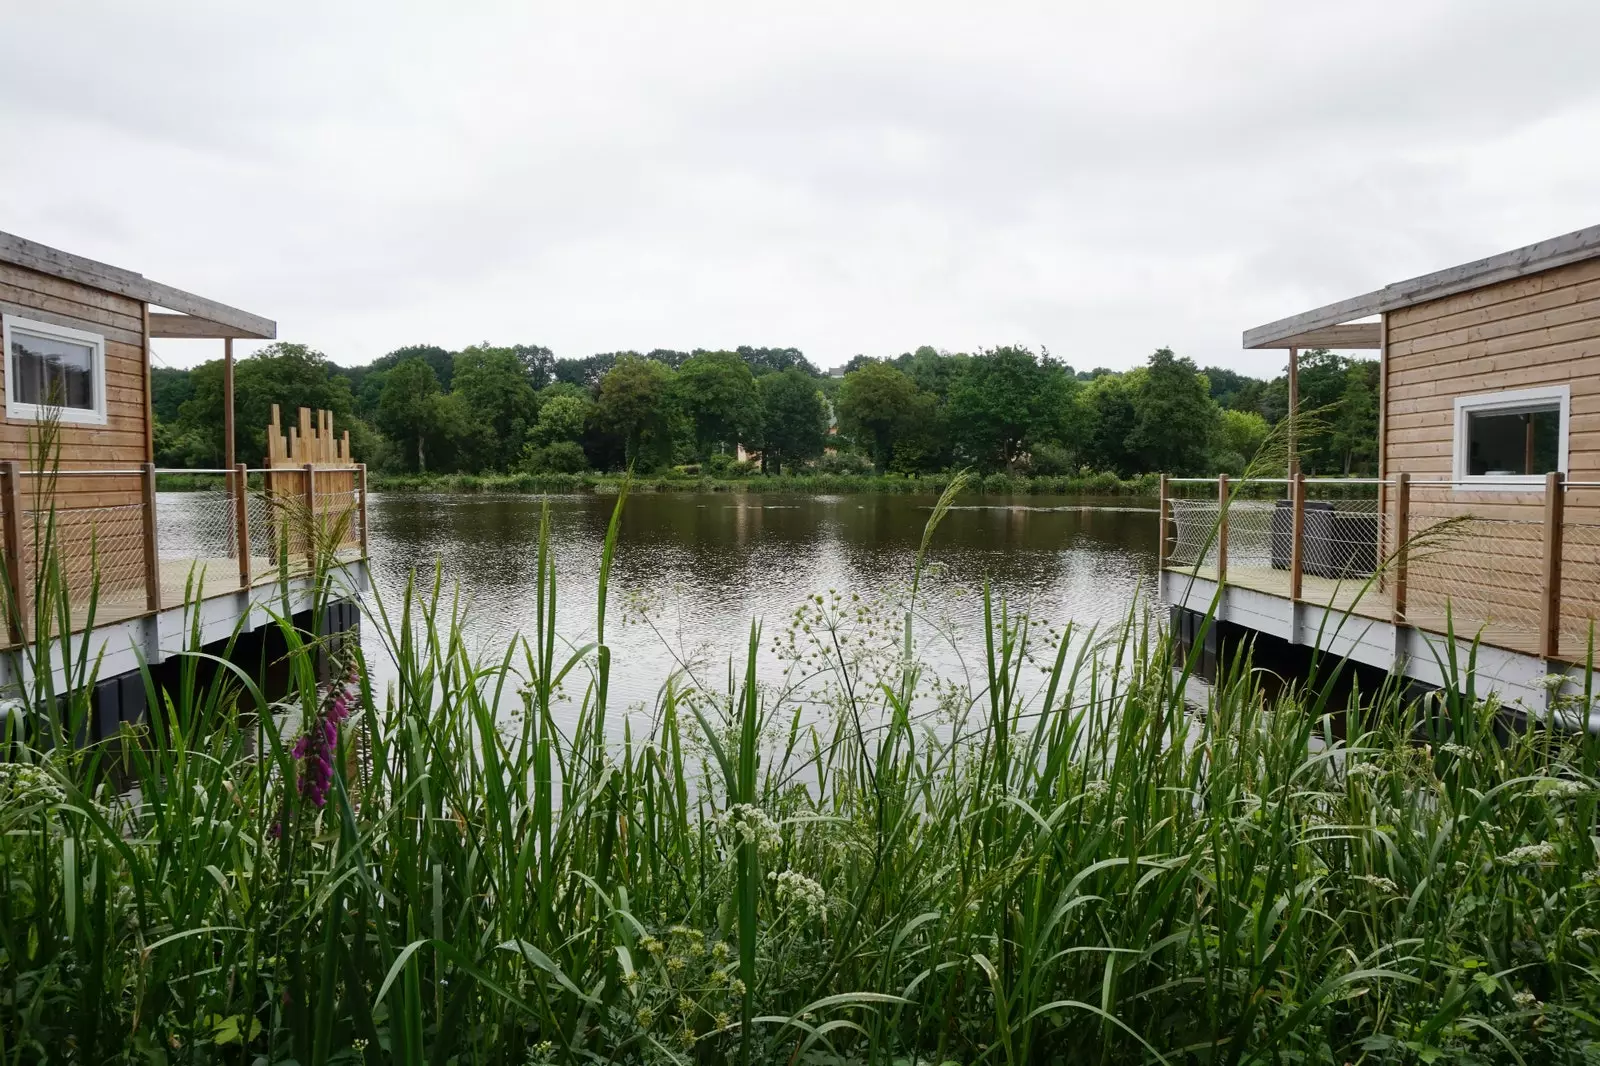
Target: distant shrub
(562, 457)
(844, 463)
(1049, 460)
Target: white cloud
(840, 177)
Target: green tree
(794, 421)
(717, 392)
(1106, 416)
(408, 409)
(493, 383)
(169, 388)
(875, 400)
(1174, 416)
(1005, 399)
(1240, 435)
(287, 374)
(562, 417)
(635, 407)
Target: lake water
(693, 570)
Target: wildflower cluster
(682, 989)
(1528, 855)
(317, 744)
(750, 824)
(795, 889)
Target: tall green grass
(1070, 861)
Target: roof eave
(1532, 259)
(31, 255)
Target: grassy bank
(865, 864)
(933, 484)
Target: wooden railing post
(1161, 521)
(241, 521)
(1550, 601)
(1222, 529)
(152, 554)
(311, 515)
(1297, 534)
(1402, 533)
(11, 487)
(361, 481)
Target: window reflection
(52, 372)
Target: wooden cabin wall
(117, 445)
(1543, 329)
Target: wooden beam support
(1349, 336)
(1294, 411)
(163, 324)
(227, 404)
(1550, 600)
(15, 573)
(1222, 529)
(1297, 535)
(311, 511)
(241, 521)
(152, 554)
(1161, 519)
(361, 481)
(1402, 533)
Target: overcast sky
(1098, 179)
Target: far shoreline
(998, 484)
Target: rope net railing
(87, 534)
(1475, 565)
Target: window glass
(52, 372)
(1514, 443)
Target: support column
(311, 515)
(1402, 533)
(152, 555)
(1550, 601)
(1294, 412)
(1297, 536)
(11, 488)
(227, 403)
(241, 521)
(1222, 529)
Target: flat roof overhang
(1334, 325)
(198, 317)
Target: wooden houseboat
(1484, 520)
(142, 569)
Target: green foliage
(1173, 416)
(409, 409)
(1004, 400)
(1001, 410)
(794, 421)
(874, 407)
(716, 392)
(289, 375)
(169, 389)
(556, 457)
(636, 404)
(494, 385)
(562, 418)
(857, 861)
(1240, 435)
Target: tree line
(487, 408)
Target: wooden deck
(1364, 598)
(185, 581)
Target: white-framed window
(53, 370)
(1510, 440)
